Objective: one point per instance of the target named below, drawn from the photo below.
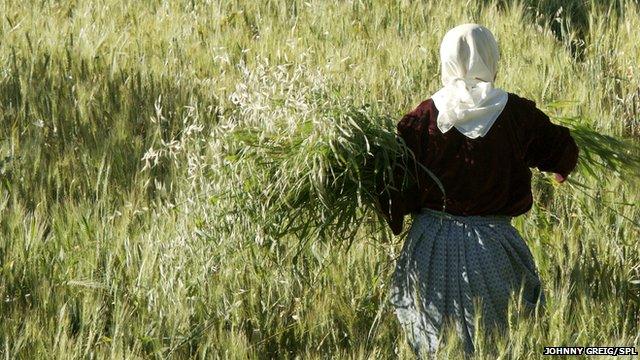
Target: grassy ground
(130, 224)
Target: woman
(480, 142)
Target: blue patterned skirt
(448, 263)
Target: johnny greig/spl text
(590, 350)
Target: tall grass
(171, 173)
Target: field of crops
(191, 179)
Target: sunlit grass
(194, 178)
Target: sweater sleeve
(401, 195)
(547, 146)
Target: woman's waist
(457, 201)
(465, 218)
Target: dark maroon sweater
(488, 175)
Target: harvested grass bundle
(603, 154)
(318, 158)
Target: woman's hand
(559, 178)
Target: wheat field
(168, 173)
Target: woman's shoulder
(414, 125)
(422, 109)
(415, 119)
(520, 102)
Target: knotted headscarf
(468, 100)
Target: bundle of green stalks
(319, 166)
(324, 162)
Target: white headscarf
(469, 58)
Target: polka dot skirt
(449, 263)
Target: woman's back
(487, 175)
